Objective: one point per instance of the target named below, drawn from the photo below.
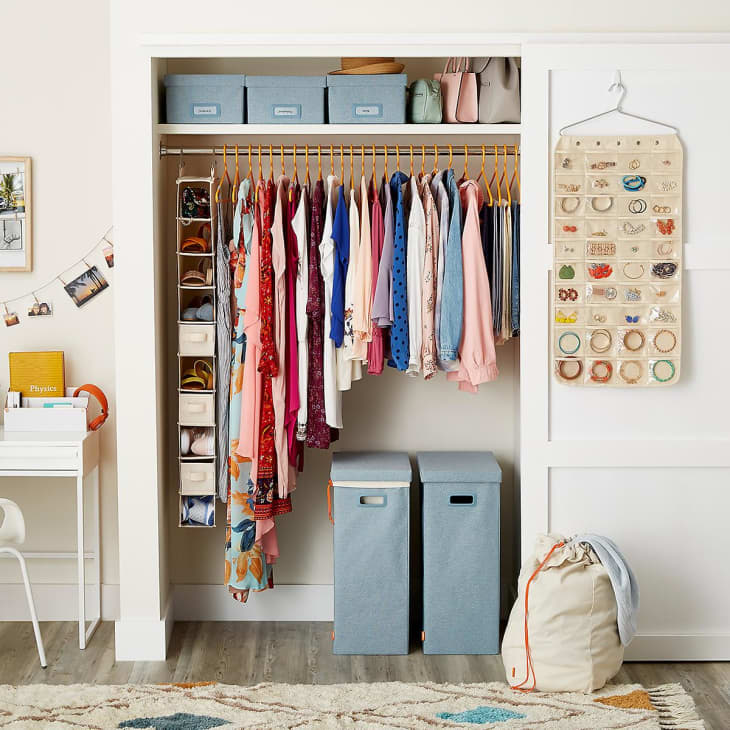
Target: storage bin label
(292, 111)
(367, 110)
(206, 110)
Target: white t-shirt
(414, 278)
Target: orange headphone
(98, 422)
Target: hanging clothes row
(330, 280)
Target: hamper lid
(458, 466)
(374, 80)
(371, 466)
(286, 82)
(233, 80)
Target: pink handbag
(459, 91)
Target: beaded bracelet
(623, 371)
(667, 349)
(659, 362)
(595, 377)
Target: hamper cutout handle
(372, 501)
(466, 499)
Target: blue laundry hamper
(460, 552)
(371, 509)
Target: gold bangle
(630, 332)
(641, 273)
(572, 210)
(602, 347)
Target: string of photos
(81, 287)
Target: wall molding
(56, 601)
(678, 647)
(284, 603)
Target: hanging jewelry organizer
(617, 259)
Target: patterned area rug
(362, 706)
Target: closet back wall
(388, 412)
(52, 74)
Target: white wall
(55, 108)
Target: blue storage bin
(460, 552)
(204, 98)
(371, 551)
(285, 99)
(367, 99)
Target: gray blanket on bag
(623, 580)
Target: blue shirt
(399, 348)
(341, 237)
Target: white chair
(12, 534)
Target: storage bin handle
(195, 337)
(195, 407)
(464, 500)
(197, 476)
(377, 500)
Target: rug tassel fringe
(676, 708)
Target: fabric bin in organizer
(371, 552)
(285, 99)
(204, 98)
(367, 99)
(460, 552)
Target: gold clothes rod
(380, 150)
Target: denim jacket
(452, 297)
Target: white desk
(70, 455)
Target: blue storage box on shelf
(371, 509)
(460, 551)
(285, 99)
(367, 99)
(205, 98)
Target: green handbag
(424, 102)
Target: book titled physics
(37, 374)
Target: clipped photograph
(86, 286)
(11, 319)
(40, 309)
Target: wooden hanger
(295, 174)
(281, 157)
(451, 156)
(250, 169)
(306, 164)
(435, 159)
(236, 182)
(342, 166)
(319, 162)
(423, 160)
(397, 158)
(352, 173)
(516, 174)
(261, 176)
(362, 162)
(465, 175)
(385, 163)
(411, 148)
(332, 161)
(271, 163)
(373, 175)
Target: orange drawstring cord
(528, 656)
(329, 501)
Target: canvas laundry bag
(571, 631)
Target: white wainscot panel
(671, 524)
(696, 407)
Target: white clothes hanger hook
(618, 85)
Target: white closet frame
(146, 614)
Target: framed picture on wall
(15, 214)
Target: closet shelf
(341, 130)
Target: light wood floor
(248, 653)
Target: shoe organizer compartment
(196, 510)
(197, 410)
(196, 339)
(196, 374)
(197, 478)
(197, 304)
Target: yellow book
(37, 374)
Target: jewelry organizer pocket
(617, 260)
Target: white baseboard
(678, 648)
(284, 603)
(56, 601)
